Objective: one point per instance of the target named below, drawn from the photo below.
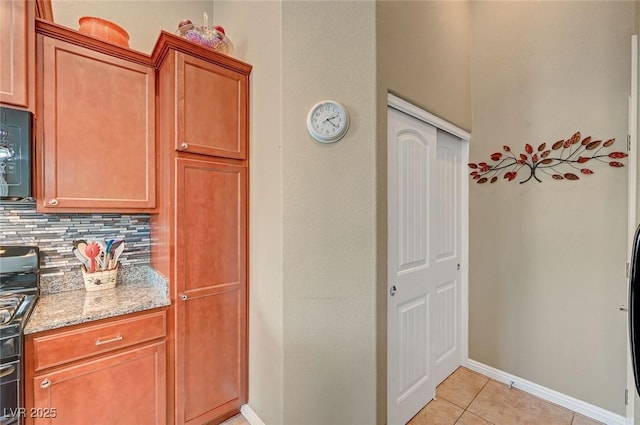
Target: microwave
(15, 154)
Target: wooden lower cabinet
(121, 386)
(211, 326)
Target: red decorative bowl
(104, 30)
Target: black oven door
(10, 412)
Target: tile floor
(469, 398)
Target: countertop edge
(62, 309)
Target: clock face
(328, 121)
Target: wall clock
(328, 121)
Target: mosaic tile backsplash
(20, 224)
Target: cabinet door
(17, 53)
(211, 108)
(97, 144)
(211, 260)
(128, 387)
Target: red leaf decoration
(534, 158)
(523, 157)
(575, 138)
(541, 147)
(513, 175)
(472, 165)
(586, 140)
(496, 157)
(520, 162)
(507, 175)
(546, 161)
(567, 143)
(476, 177)
(617, 155)
(608, 143)
(557, 145)
(583, 159)
(494, 179)
(506, 148)
(482, 180)
(528, 148)
(482, 164)
(591, 146)
(616, 164)
(557, 177)
(545, 153)
(571, 176)
(586, 171)
(474, 173)
(485, 168)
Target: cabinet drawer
(65, 347)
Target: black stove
(19, 289)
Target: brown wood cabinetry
(120, 377)
(96, 144)
(17, 54)
(211, 108)
(201, 227)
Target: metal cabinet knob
(53, 202)
(184, 146)
(393, 290)
(184, 297)
(45, 383)
(623, 308)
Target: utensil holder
(100, 280)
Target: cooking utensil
(84, 260)
(92, 251)
(117, 251)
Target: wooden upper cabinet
(211, 108)
(96, 144)
(17, 53)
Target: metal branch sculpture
(572, 153)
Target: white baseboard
(584, 408)
(250, 415)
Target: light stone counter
(148, 290)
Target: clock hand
(331, 117)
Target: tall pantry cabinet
(199, 236)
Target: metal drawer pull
(184, 297)
(108, 341)
(45, 383)
(7, 370)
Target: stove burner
(8, 306)
(5, 316)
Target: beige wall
(255, 28)
(142, 19)
(423, 56)
(547, 268)
(312, 311)
(329, 216)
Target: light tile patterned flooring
(469, 398)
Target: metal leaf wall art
(565, 160)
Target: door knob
(393, 290)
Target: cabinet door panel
(16, 52)
(129, 387)
(212, 108)
(211, 263)
(99, 130)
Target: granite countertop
(67, 308)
